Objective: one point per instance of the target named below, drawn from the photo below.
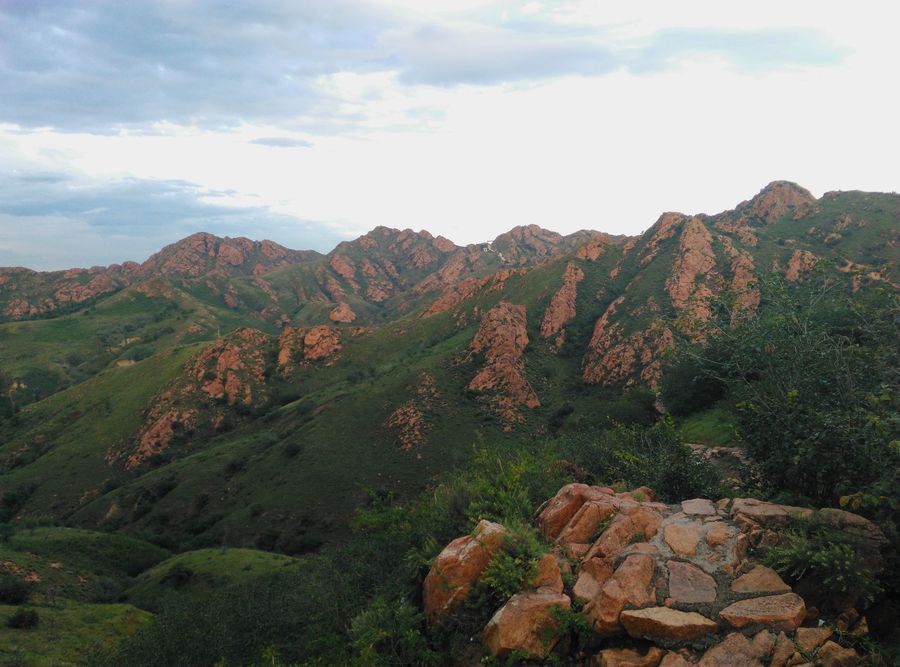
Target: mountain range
(229, 391)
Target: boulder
(631, 584)
(591, 577)
(674, 660)
(582, 527)
(835, 655)
(525, 624)
(778, 612)
(683, 538)
(666, 625)
(688, 584)
(635, 523)
(760, 579)
(560, 509)
(629, 657)
(809, 639)
(698, 507)
(548, 575)
(734, 651)
(784, 649)
(458, 566)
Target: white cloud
(566, 150)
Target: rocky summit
(657, 584)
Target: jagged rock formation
(562, 305)
(681, 577)
(501, 339)
(227, 373)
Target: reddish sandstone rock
(779, 199)
(718, 534)
(835, 655)
(592, 575)
(342, 313)
(698, 507)
(683, 538)
(629, 657)
(784, 649)
(343, 266)
(688, 584)
(800, 263)
(778, 612)
(583, 525)
(765, 513)
(502, 339)
(760, 579)
(307, 345)
(525, 624)
(408, 425)
(562, 305)
(633, 523)
(548, 575)
(559, 510)
(695, 259)
(674, 660)
(458, 566)
(630, 585)
(809, 639)
(734, 651)
(666, 625)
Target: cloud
(754, 50)
(49, 221)
(84, 67)
(282, 142)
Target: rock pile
(660, 585)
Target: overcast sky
(128, 125)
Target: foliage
(23, 619)
(388, 633)
(516, 564)
(13, 590)
(654, 457)
(814, 379)
(827, 559)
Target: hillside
(399, 349)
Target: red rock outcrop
(704, 599)
(298, 346)
(779, 199)
(800, 263)
(457, 567)
(224, 374)
(562, 306)
(613, 356)
(408, 423)
(695, 259)
(342, 313)
(502, 339)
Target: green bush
(23, 619)
(825, 560)
(12, 589)
(391, 633)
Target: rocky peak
(523, 244)
(201, 254)
(778, 199)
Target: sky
(125, 126)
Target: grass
(67, 632)
(196, 573)
(713, 427)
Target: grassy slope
(60, 444)
(193, 574)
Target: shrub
(825, 560)
(12, 589)
(23, 619)
(391, 632)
